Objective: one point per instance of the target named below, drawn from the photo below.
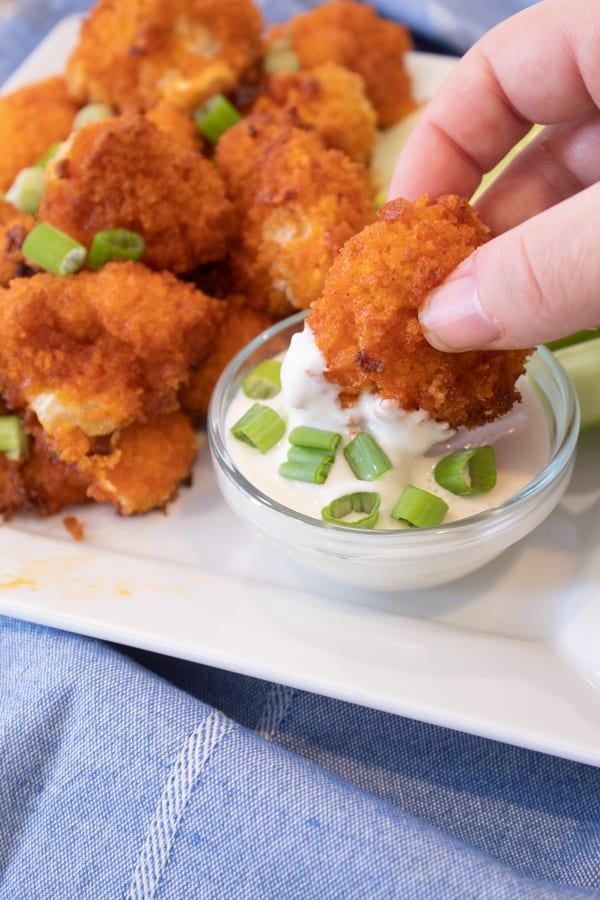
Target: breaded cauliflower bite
(297, 202)
(32, 119)
(14, 228)
(133, 53)
(351, 34)
(177, 124)
(95, 352)
(147, 464)
(328, 98)
(241, 324)
(127, 173)
(365, 323)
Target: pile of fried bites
(110, 371)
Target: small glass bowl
(407, 559)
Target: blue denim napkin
(117, 782)
(127, 774)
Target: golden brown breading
(13, 496)
(329, 98)
(241, 324)
(125, 173)
(178, 124)
(94, 352)
(148, 464)
(366, 324)
(50, 484)
(297, 203)
(133, 53)
(353, 35)
(14, 228)
(32, 118)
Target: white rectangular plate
(511, 653)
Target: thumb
(535, 283)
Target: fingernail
(452, 317)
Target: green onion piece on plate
(13, 440)
(307, 464)
(419, 508)
(366, 458)
(305, 436)
(357, 510)
(92, 112)
(27, 190)
(264, 381)
(53, 250)
(467, 472)
(215, 117)
(115, 243)
(260, 426)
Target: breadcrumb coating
(177, 124)
(351, 34)
(126, 173)
(297, 203)
(133, 53)
(92, 353)
(32, 119)
(14, 228)
(365, 323)
(329, 98)
(149, 462)
(241, 325)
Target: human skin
(537, 280)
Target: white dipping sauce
(413, 442)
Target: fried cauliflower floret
(351, 34)
(297, 202)
(125, 173)
(366, 324)
(95, 352)
(177, 124)
(241, 324)
(133, 53)
(32, 118)
(50, 485)
(14, 228)
(147, 465)
(13, 495)
(329, 98)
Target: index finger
(539, 66)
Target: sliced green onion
(92, 112)
(53, 250)
(13, 440)
(307, 464)
(215, 116)
(27, 190)
(115, 243)
(260, 426)
(366, 458)
(264, 381)
(419, 508)
(48, 155)
(344, 510)
(467, 472)
(319, 438)
(379, 199)
(280, 57)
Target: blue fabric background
(127, 774)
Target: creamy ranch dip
(413, 442)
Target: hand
(539, 278)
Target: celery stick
(582, 364)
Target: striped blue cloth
(125, 774)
